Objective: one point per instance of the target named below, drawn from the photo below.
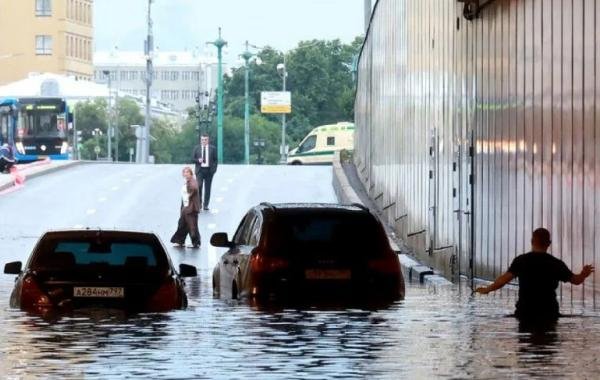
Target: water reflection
(435, 332)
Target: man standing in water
(539, 273)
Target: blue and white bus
(36, 127)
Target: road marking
(126, 180)
(211, 226)
(114, 188)
(102, 199)
(219, 199)
(224, 188)
(230, 180)
(214, 211)
(91, 211)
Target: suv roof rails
(268, 204)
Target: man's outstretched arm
(577, 279)
(500, 282)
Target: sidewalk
(35, 169)
(349, 189)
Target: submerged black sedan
(72, 269)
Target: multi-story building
(54, 36)
(178, 77)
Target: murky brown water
(436, 332)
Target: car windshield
(343, 232)
(64, 253)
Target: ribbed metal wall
(511, 99)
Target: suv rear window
(342, 231)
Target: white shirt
(185, 196)
(205, 154)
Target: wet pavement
(438, 331)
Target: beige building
(53, 36)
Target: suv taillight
(32, 297)
(259, 263)
(389, 263)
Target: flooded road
(438, 331)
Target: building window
(174, 75)
(43, 45)
(195, 75)
(43, 8)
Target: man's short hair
(204, 135)
(541, 236)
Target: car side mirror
(186, 270)
(220, 239)
(13, 268)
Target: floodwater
(438, 331)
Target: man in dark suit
(205, 158)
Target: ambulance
(320, 145)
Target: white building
(73, 91)
(179, 77)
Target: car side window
(241, 235)
(308, 144)
(255, 232)
(330, 140)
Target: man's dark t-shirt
(539, 274)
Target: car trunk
(100, 285)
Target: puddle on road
(435, 331)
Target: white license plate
(98, 292)
(328, 274)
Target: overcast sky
(180, 24)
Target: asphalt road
(147, 198)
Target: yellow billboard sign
(276, 102)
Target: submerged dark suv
(290, 250)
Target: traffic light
(79, 136)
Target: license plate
(98, 292)
(328, 274)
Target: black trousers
(5, 164)
(187, 224)
(204, 176)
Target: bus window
(4, 120)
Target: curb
(346, 194)
(41, 172)
(343, 190)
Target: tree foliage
(319, 76)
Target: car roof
(314, 207)
(89, 233)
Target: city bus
(36, 127)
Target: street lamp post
(246, 55)
(97, 133)
(259, 144)
(219, 43)
(205, 113)
(282, 70)
(149, 50)
(109, 139)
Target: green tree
(127, 113)
(319, 76)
